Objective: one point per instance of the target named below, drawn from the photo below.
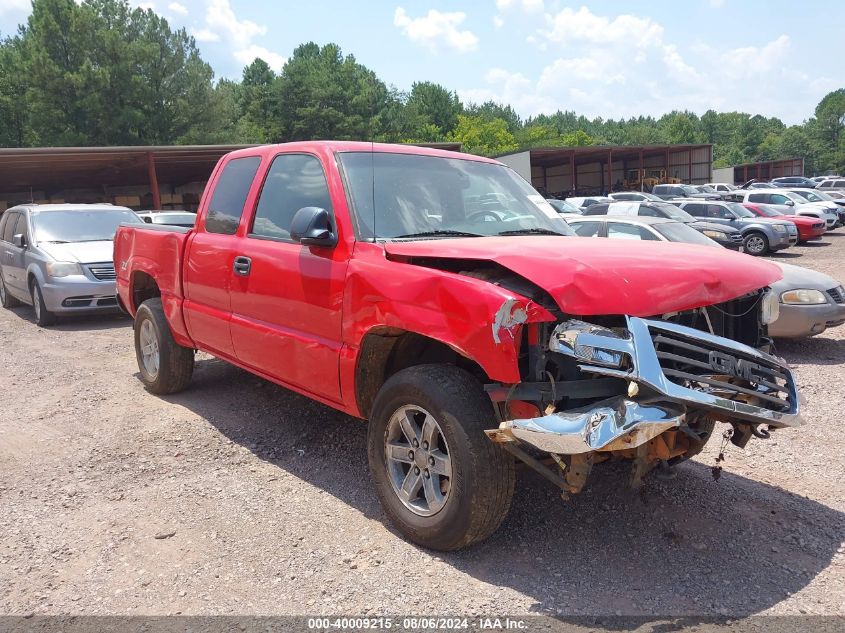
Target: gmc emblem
(740, 368)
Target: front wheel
(440, 480)
(165, 366)
(43, 317)
(756, 244)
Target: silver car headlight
(769, 308)
(803, 296)
(780, 228)
(63, 269)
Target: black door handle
(242, 265)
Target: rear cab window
(230, 194)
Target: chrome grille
(103, 272)
(837, 294)
(736, 237)
(729, 373)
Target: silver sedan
(810, 303)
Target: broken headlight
(583, 341)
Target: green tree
(436, 105)
(324, 95)
(102, 73)
(483, 136)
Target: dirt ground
(238, 497)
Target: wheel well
(385, 351)
(144, 287)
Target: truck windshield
(408, 196)
(81, 225)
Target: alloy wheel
(150, 355)
(418, 461)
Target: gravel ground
(238, 497)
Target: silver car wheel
(418, 461)
(149, 349)
(755, 245)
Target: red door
(209, 260)
(287, 300)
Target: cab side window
(777, 198)
(294, 181)
(758, 197)
(230, 193)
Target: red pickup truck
(440, 297)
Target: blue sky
(610, 59)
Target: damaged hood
(599, 276)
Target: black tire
(43, 317)
(482, 481)
(754, 238)
(175, 363)
(7, 300)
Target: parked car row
(760, 220)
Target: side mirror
(148, 220)
(789, 203)
(19, 240)
(312, 226)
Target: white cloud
(618, 66)
(569, 26)
(221, 18)
(531, 6)
(437, 30)
(223, 25)
(498, 22)
(179, 9)
(248, 55)
(206, 35)
(14, 6)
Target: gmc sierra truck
(440, 297)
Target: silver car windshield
(408, 196)
(80, 226)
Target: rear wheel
(756, 243)
(440, 480)
(43, 317)
(7, 300)
(164, 365)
